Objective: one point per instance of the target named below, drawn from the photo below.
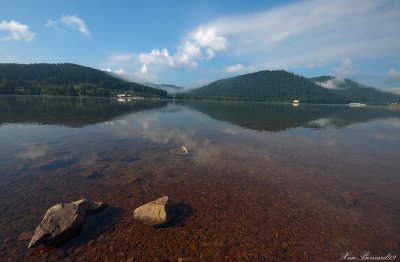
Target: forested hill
(67, 79)
(282, 86)
(272, 86)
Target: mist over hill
(171, 89)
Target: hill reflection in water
(272, 117)
(68, 111)
(275, 117)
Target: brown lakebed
(259, 181)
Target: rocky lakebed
(207, 213)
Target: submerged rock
(95, 175)
(25, 236)
(138, 180)
(64, 221)
(349, 199)
(54, 164)
(155, 213)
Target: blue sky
(191, 43)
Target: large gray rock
(156, 212)
(64, 221)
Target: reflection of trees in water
(68, 111)
(78, 112)
(278, 117)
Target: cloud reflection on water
(32, 150)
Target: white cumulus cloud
(143, 70)
(203, 43)
(120, 71)
(234, 68)
(107, 69)
(66, 21)
(16, 30)
(208, 38)
(393, 75)
(345, 69)
(54, 24)
(239, 68)
(143, 75)
(159, 57)
(76, 22)
(333, 83)
(187, 54)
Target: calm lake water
(261, 181)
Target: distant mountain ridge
(267, 86)
(67, 79)
(283, 86)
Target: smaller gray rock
(349, 199)
(64, 221)
(25, 235)
(155, 213)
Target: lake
(260, 181)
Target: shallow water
(261, 181)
